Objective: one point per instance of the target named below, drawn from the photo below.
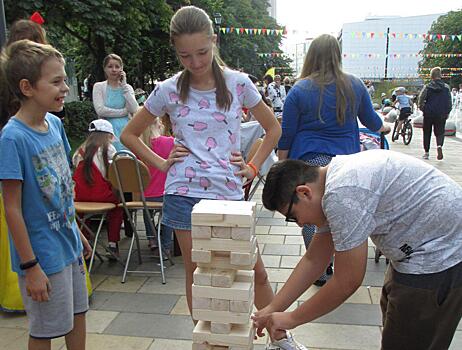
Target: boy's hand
(87, 249)
(276, 323)
(37, 284)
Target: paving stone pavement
(143, 314)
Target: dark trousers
(438, 124)
(421, 312)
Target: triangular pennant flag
(37, 18)
(438, 36)
(443, 36)
(241, 30)
(246, 30)
(259, 31)
(223, 30)
(459, 37)
(263, 31)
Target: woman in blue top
(320, 113)
(114, 99)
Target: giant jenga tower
(225, 250)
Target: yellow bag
(10, 296)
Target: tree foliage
(449, 24)
(87, 30)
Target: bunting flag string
(425, 36)
(447, 68)
(252, 31)
(271, 54)
(399, 55)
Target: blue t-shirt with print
(41, 161)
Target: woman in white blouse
(114, 99)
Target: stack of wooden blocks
(224, 247)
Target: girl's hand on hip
(245, 170)
(176, 155)
(38, 286)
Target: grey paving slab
(281, 249)
(151, 325)
(335, 336)
(354, 314)
(135, 302)
(380, 266)
(271, 222)
(373, 278)
(265, 214)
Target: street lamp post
(2, 24)
(217, 19)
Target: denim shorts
(177, 211)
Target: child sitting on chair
(159, 139)
(91, 161)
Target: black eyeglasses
(289, 217)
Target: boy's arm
(37, 283)
(350, 267)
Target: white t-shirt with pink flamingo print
(210, 133)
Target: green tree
(449, 24)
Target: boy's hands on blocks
(275, 322)
(37, 284)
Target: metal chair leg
(159, 244)
(103, 217)
(124, 276)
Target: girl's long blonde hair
(323, 65)
(193, 20)
(160, 127)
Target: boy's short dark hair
(282, 179)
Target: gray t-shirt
(411, 210)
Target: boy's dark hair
(282, 179)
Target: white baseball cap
(101, 125)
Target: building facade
(272, 8)
(385, 47)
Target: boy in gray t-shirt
(410, 210)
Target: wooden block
(220, 304)
(202, 346)
(201, 303)
(221, 244)
(222, 316)
(240, 335)
(238, 291)
(240, 306)
(221, 232)
(220, 328)
(242, 233)
(202, 276)
(245, 276)
(245, 259)
(201, 232)
(201, 256)
(237, 347)
(223, 278)
(223, 262)
(224, 213)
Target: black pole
(2, 24)
(386, 53)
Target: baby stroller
(373, 140)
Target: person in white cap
(91, 161)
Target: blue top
(302, 130)
(404, 101)
(41, 161)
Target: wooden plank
(224, 213)
(238, 291)
(201, 256)
(202, 276)
(221, 232)
(220, 328)
(201, 303)
(223, 277)
(221, 304)
(243, 233)
(228, 245)
(222, 316)
(223, 262)
(201, 232)
(240, 335)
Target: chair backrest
(128, 174)
(254, 148)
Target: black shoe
(330, 270)
(319, 283)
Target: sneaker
(114, 251)
(425, 155)
(439, 151)
(319, 283)
(288, 343)
(330, 270)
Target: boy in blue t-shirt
(46, 244)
